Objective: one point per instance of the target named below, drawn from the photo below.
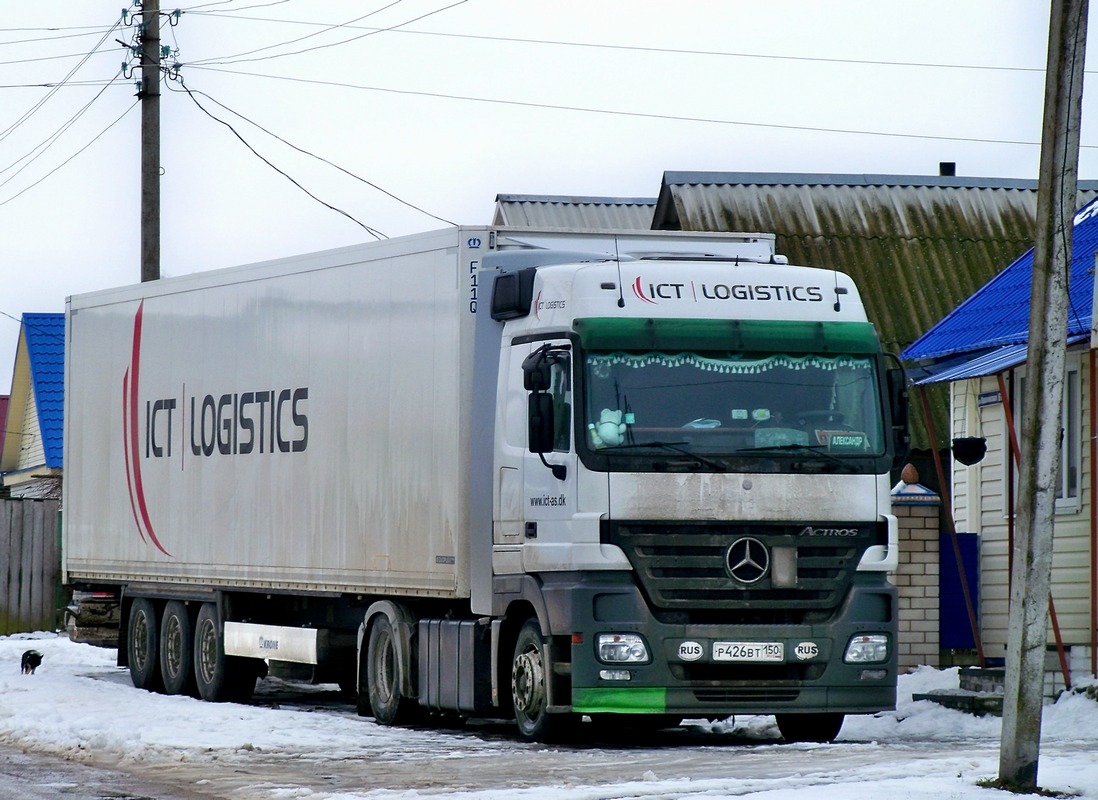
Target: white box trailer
(280, 426)
(491, 471)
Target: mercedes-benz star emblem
(748, 560)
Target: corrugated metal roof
(45, 338)
(559, 211)
(998, 360)
(998, 313)
(916, 246)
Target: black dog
(31, 660)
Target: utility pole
(1057, 186)
(150, 140)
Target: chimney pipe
(947, 169)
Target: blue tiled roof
(45, 336)
(998, 313)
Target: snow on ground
(82, 707)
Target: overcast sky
(433, 107)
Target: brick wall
(916, 577)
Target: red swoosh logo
(130, 441)
(639, 292)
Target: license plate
(748, 651)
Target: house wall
(12, 445)
(31, 452)
(980, 504)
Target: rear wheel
(142, 647)
(176, 641)
(384, 676)
(220, 678)
(810, 727)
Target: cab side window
(560, 388)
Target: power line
(34, 109)
(371, 32)
(326, 29)
(70, 158)
(326, 161)
(22, 61)
(375, 233)
(633, 114)
(39, 149)
(636, 48)
(88, 31)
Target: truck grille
(685, 567)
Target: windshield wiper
(674, 447)
(798, 448)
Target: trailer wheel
(810, 727)
(142, 647)
(531, 670)
(384, 672)
(220, 678)
(176, 641)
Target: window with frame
(1069, 474)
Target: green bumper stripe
(641, 700)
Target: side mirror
(540, 413)
(536, 371)
(898, 404)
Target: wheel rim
(173, 646)
(207, 651)
(528, 685)
(385, 667)
(141, 640)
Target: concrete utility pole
(1043, 400)
(150, 140)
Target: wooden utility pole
(1027, 632)
(150, 140)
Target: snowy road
(308, 743)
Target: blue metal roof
(45, 338)
(998, 313)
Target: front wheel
(810, 727)
(531, 671)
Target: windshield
(741, 404)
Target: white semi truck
(544, 475)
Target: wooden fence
(30, 565)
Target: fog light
(866, 648)
(874, 674)
(621, 648)
(615, 674)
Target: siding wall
(981, 505)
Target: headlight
(621, 648)
(866, 648)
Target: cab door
(536, 491)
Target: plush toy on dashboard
(609, 430)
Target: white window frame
(1069, 492)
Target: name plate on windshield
(749, 651)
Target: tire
(220, 678)
(176, 643)
(142, 648)
(810, 727)
(384, 676)
(531, 669)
